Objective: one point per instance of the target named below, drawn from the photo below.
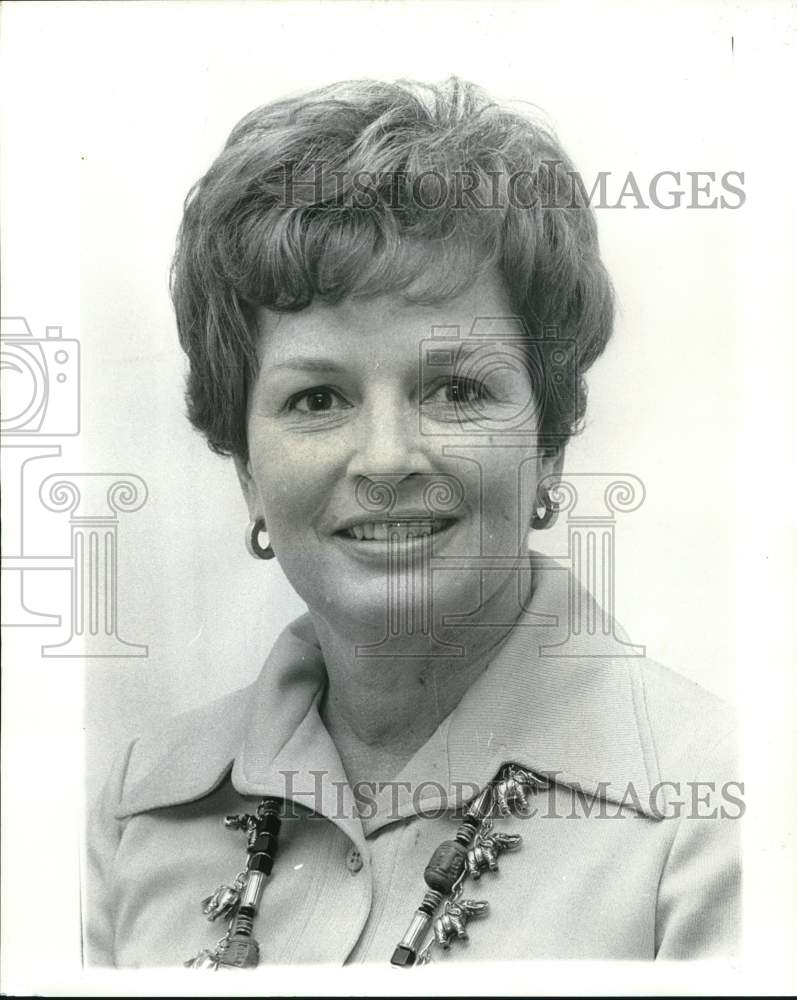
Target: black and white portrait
(383, 566)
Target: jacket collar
(580, 719)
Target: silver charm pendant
(451, 925)
(483, 856)
(245, 822)
(206, 959)
(222, 903)
(511, 793)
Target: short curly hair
(364, 188)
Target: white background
(113, 110)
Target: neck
(379, 710)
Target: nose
(389, 440)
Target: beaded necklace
(240, 901)
(473, 850)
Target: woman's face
(358, 410)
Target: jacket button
(354, 861)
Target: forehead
(385, 325)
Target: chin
(375, 612)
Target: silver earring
(545, 514)
(259, 547)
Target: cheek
(293, 480)
(508, 489)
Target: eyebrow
(315, 364)
(308, 364)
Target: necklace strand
(241, 901)
(473, 850)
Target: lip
(406, 541)
(396, 517)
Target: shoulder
(189, 756)
(691, 728)
(701, 797)
(182, 759)
(206, 729)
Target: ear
(551, 464)
(248, 487)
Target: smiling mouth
(380, 531)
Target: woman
(389, 296)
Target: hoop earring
(253, 543)
(550, 511)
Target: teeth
(377, 531)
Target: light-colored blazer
(630, 853)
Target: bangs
(285, 261)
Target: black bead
(403, 957)
(268, 824)
(260, 863)
(264, 843)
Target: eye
(458, 392)
(320, 399)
